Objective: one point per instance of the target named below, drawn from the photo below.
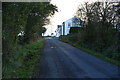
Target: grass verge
(99, 55)
(23, 62)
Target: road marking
(52, 47)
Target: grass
(23, 62)
(99, 55)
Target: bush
(74, 30)
(22, 62)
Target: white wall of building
(59, 31)
(67, 25)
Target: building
(59, 31)
(64, 29)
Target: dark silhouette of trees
(101, 31)
(26, 18)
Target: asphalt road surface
(61, 60)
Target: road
(61, 60)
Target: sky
(66, 10)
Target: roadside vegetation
(22, 63)
(99, 33)
(90, 51)
(22, 28)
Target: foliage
(25, 18)
(92, 52)
(22, 23)
(22, 62)
(100, 32)
(36, 15)
(74, 30)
